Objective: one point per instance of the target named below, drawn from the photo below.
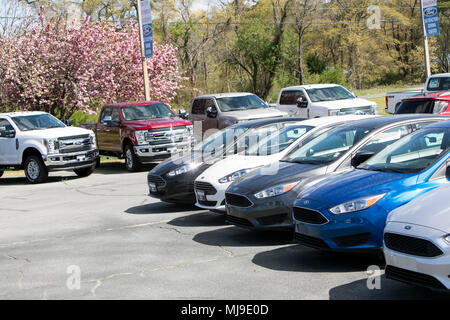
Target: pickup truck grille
(75, 143)
(167, 135)
(365, 110)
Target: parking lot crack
(229, 253)
(17, 258)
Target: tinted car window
(289, 97)
(245, 102)
(198, 106)
(146, 112)
(439, 84)
(423, 106)
(385, 138)
(329, 94)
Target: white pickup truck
(434, 83)
(37, 143)
(322, 100)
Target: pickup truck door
(211, 123)
(8, 151)
(197, 116)
(103, 130)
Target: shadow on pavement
(118, 167)
(202, 219)
(160, 207)
(21, 180)
(303, 259)
(389, 290)
(238, 237)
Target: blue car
(348, 211)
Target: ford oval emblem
(408, 227)
(429, 12)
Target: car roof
(224, 95)
(263, 122)
(312, 86)
(440, 75)
(443, 124)
(20, 113)
(380, 122)
(440, 95)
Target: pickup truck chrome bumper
(70, 161)
(161, 151)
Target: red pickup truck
(141, 132)
(436, 102)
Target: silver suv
(218, 111)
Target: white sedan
(417, 240)
(261, 149)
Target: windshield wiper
(304, 161)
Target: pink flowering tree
(59, 70)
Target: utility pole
(143, 54)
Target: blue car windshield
(327, 147)
(412, 153)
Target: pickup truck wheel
(131, 160)
(97, 163)
(84, 172)
(35, 170)
(1, 173)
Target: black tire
(84, 172)
(35, 169)
(97, 163)
(1, 173)
(132, 162)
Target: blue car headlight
(357, 204)
(276, 190)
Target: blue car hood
(354, 184)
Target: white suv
(37, 142)
(322, 100)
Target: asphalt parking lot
(107, 233)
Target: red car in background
(436, 102)
(141, 132)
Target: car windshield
(221, 139)
(439, 84)
(274, 144)
(412, 153)
(328, 146)
(146, 112)
(237, 103)
(329, 94)
(37, 122)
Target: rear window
(423, 106)
(439, 84)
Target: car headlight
(183, 169)
(141, 137)
(190, 128)
(375, 109)
(52, 145)
(92, 139)
(357, 204)
(276, 190)
(447, 238)
(236, 175)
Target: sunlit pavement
(102, 237)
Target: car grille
(74, 143)
(167, 135)
(207, 203)
(239, 221)
(411, 245)
(208, 188)
(157, 180)
(310, 241)
(309, 216)
(413, 277)
(237, 200)
(353, 240)
(274, 219)
(365, 110)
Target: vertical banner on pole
(430, 17)
(147, 27)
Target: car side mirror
(68, 123)
(302, 102)
(182, 114)
(4, 133)
(107, 121)
(211, 112)
(360, 157)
